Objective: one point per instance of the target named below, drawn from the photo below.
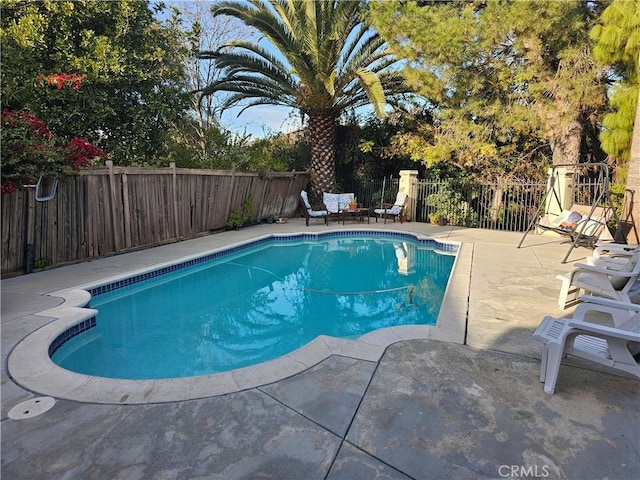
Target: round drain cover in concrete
(31, 408)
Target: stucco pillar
(559, 190)
(409, 185)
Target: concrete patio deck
(427, 409)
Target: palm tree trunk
(322, 138)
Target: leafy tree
(223, 149)
(633, 179)
(618, 45)
(511, 83)
(133, 93)
(322, 59)
(280, 153)
(29, 149)
(365, 147)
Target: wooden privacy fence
(111, 210)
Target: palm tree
(323, 61)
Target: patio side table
(357, 215)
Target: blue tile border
(275, 239)
(69, 333)
(98, 290)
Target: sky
(261, 121)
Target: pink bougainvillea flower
(80, 152)
(29, 149)
(61, 80)
(36, 127)
(8, 188)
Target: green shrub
(235, 221)
(240, 215)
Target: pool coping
(31, 367)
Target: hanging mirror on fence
(46, 188)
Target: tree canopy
(510, 84)
(132, 93)
(507, 87)
(617, 34)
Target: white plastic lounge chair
(309, 212)
(397, 209)
(612, 252)
(616, 346)
(618, 281)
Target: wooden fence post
(117, 239)
(286, 197)
(174, 188)
(29, 226)
(265, 183)
(232, 191)
(126, 207)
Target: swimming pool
(30, 366)
(256, 304)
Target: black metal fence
(370, 193)
(506, 206)
(509, 206)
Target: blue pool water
(257, 304)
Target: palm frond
(328, 57)
(233, 63)
(257, 14)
